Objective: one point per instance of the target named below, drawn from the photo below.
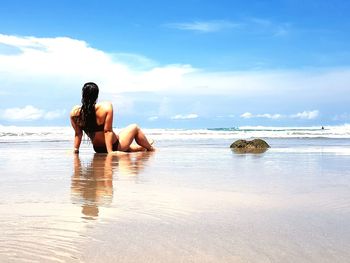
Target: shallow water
(191, 201)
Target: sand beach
(193, 200)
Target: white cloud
(308, 115)
(266, 26)
(252, 25)
(70, 62)
(185, 117)
(204, 26)
(153, 118)
(248, 115)
(74, 61)
(313, 84)
(341, 117)
(134, 60)
(29, 113)
(270, 116)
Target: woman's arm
(78, 132)
(108, 128)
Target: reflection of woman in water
(96, 120)
(92, 185)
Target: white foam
(16, 133)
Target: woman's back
(96, 120)
(101, 110)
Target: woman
(96, 120)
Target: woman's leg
(127, 135)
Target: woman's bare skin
(107, 137)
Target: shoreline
(192, 199)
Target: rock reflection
(92, 183)
(249, 150)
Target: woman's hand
(78, 133)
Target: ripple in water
(40, 239)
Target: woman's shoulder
(105, 105)
(75, 111)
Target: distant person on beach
(96, 120)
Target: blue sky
(178, 64)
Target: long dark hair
(87, 111)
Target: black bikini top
(100, 127)
(97, 128)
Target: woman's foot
(137, 148)
(151, 142)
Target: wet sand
(191, 201)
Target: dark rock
(254, 146)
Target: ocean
(15, 133)
(193, 200)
